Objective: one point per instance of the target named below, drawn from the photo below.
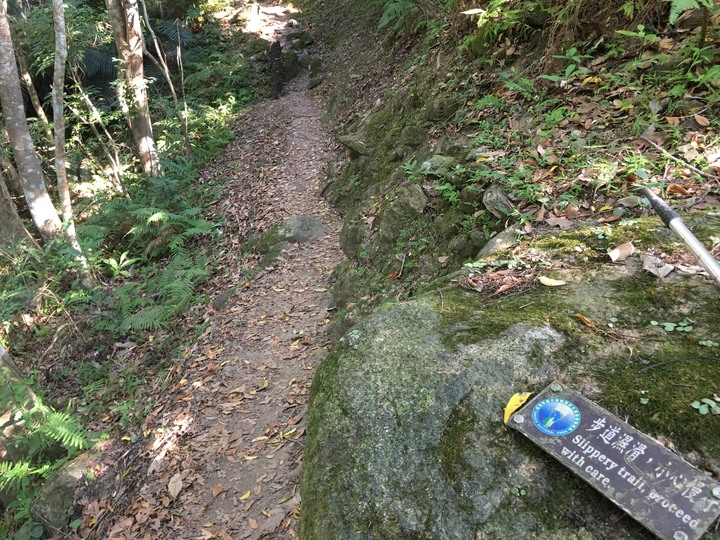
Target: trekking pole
(676, 225)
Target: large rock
(55, 503)
(405, 434)
(298, 229)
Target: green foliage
(218, 75)
(645, 37)
(683, 326)
(706, 406)
(631, 7)
(44, 432)
(36, 35)
(678, 7)
(399, 13)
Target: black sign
(656, 487)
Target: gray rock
(295, 45)
(316, 75)
(413, 136)
(476, 153)
(356, 146)
(256, 46)
(303, 36)
(304, 59)
(247, 12)
(299, 229)
(387, 408)
(405, 431)
(291, 65)
(438, 166)
(55, 503)
(497, 202)
(221, 299)
(461, 246)
(502, 240)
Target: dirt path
(228, 441)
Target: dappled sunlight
(264, 21)
(166, 438)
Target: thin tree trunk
(12, 229)
(38, 199)
(34, 98)
(60, 154)
(166, 72)
(16, 11)
(96, 118)
(6, 165)
(125, 22)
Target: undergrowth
(149, 248)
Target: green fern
(168, 29)
(14, 475)
(151, 318)
(678, 7)
(397, 11)
(63, 428)
(44, 430)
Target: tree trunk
(162, 65)
(41, 207)
(16, 11)
(12, 229)
(125, 22)
(59, 127)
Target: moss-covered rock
(291, 65)
(294, 229)
(405, 437)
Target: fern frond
(396, 11)
(150, 318)
(62, 428)
(678, 7)
(168, 29)
(13, 474)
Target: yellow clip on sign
(517, 401)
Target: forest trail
(227, 442)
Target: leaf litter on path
(225, 445)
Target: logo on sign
(556, 416)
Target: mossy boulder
(291, 65)
(405, 434)
(438, 166)
(298, 229)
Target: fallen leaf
(571, 211)
(585, 320)
(676, 188)
(253, 523)
(610, 219)
(691, 269)
(217, 490)
(704, 122)
(622, 252)
(175, 485)
(655, 266)
(244, 496)
(563, 223)
(550, 282)
(443, 259)
(672, 120)
(628, 202)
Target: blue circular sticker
(556, 416)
